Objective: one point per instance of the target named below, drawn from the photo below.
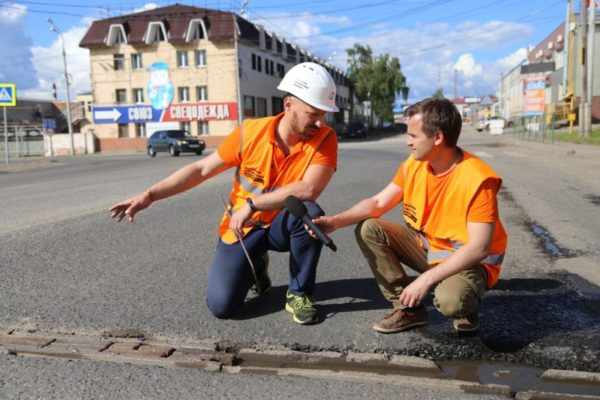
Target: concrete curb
(535, 395)
(571, 376)
(215, 356)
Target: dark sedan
(175, 142)
(356, 130)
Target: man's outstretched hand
(130, 207)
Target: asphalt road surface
(67, 268)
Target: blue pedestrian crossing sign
(8, 95)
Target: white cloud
(146, 7)
(12, 12)
(467, 66)
(49, 68)
(304, 29)
(513, 59)
(429, 53)
(15, 66)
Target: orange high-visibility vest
(253, 176)
(447, 221)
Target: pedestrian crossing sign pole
(8, 98)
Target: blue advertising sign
(139, 113)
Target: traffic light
(54, 91)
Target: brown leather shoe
(467, 325)
(401, 319)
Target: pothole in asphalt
(548, 242)
(593, 198)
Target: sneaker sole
(298, 321)
(466, 331)
(404, 328)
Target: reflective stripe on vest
(440, 255)
(247, 185)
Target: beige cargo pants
(387, 246)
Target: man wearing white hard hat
(290, 154)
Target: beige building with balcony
(192, 68)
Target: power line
(401, 15)
(336, 11)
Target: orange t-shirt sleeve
(229, 149)
(484, 207)
(326, 154)
(399, 177)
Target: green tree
(378, 79)
(438, 94)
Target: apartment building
(192, 68)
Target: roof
(458, 100)
(176, 19)
(553, 42)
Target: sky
(458, 45)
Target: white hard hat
(312, 84)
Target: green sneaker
(263, 282)
(301, 308)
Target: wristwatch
(251, 204)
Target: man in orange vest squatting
(453, 236)
(291, 154)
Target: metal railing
(540, 128)
(23, 141)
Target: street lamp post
(55, 29)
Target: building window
(123, 130)
(196, 30)
(121, 96)
(118, 62)
(184, 94)
(276, 105)
(116, 35)
(200, 57)
(140, 130)
(186, 126)
(249, 110)
(136, 61)
(138, 95)
(156, 33)
(254, 61)
(280, 70)
(182, 58)
(259, 63)
(202, 93)
(268, 42)
(269, 67)
(261, 107)
(202, 127)
(279, 46)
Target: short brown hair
(438, 115)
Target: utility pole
(236, 54)
(584, 62)
(590, 68)
(455, 85)
(55, 29)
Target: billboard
(161, 93)
(535, 95)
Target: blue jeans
(230, 275)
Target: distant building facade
(545, 82)
(192, 68)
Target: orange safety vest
(253, 176)
(447, 221)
